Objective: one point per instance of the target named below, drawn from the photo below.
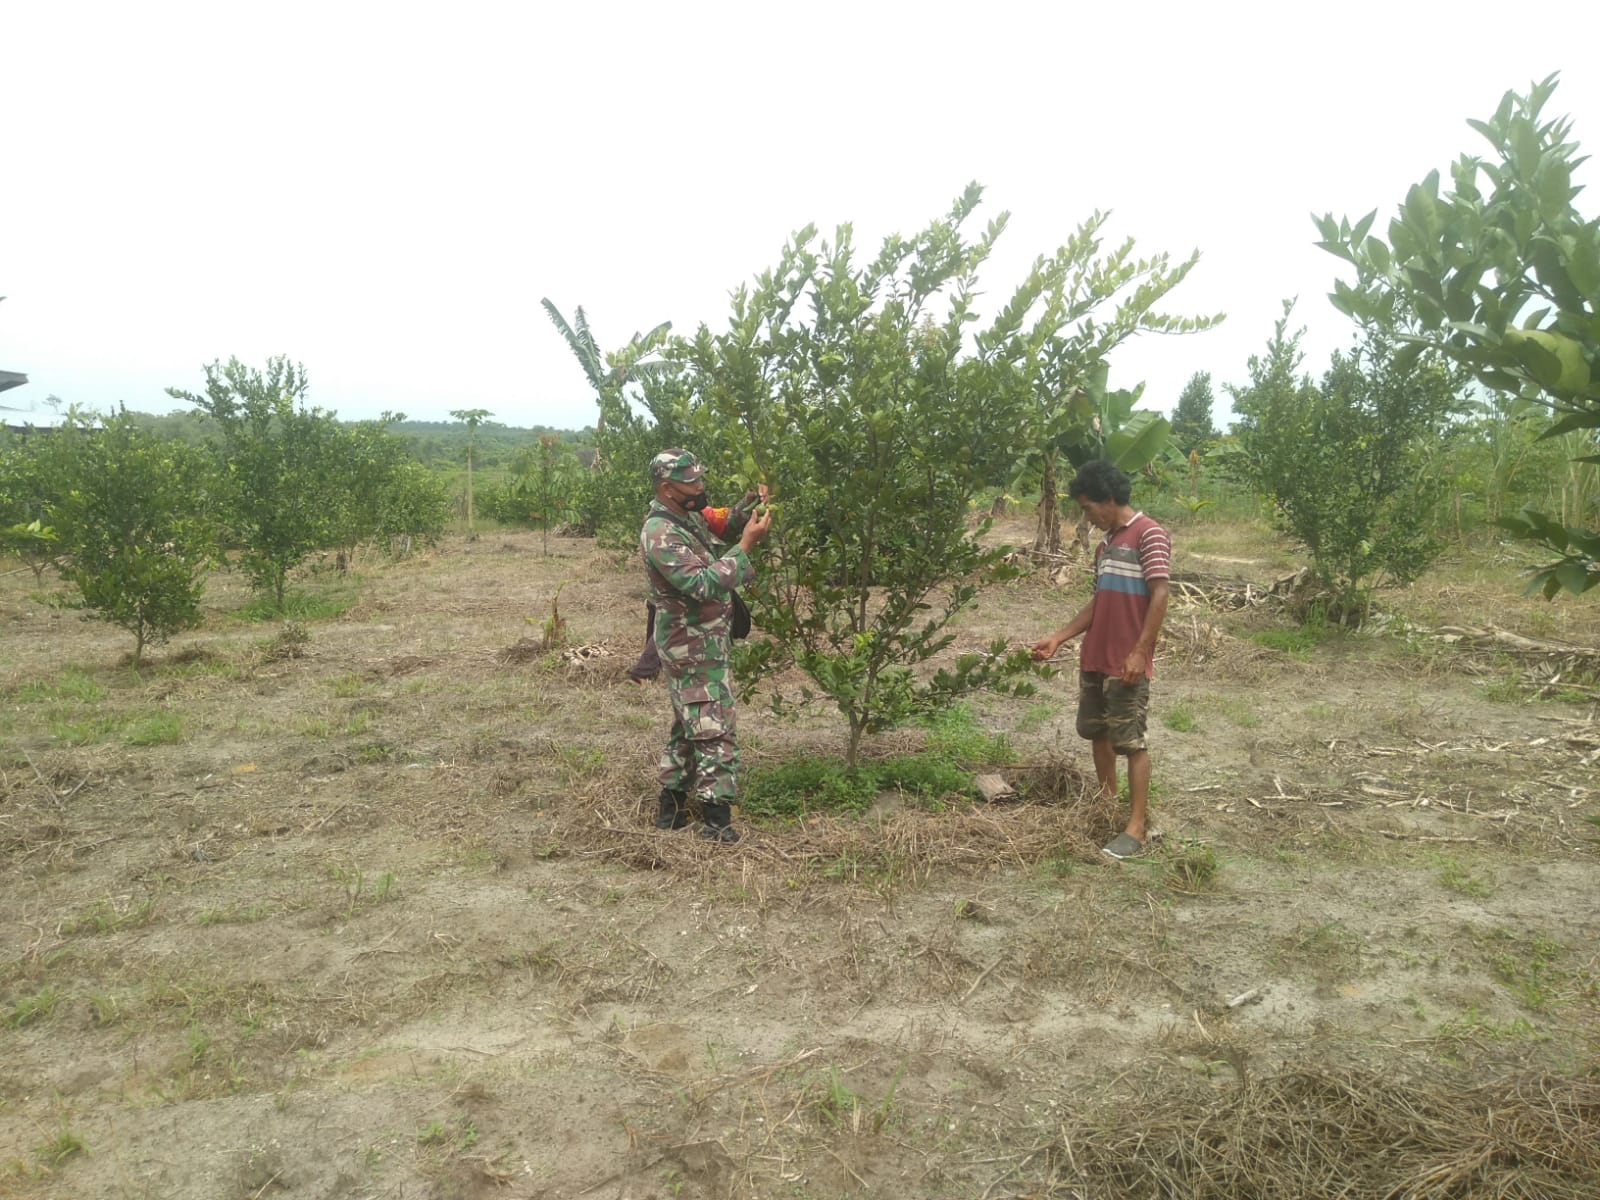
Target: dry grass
(1322, 1131)
(1062, 817)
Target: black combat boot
(717, 826)
(672, 810)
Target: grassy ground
(368, 904)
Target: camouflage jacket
(686, 583)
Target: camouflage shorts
(1109, 708)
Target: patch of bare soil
(378, 912)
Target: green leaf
(1139, 442)
(1574, 576)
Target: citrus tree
(1345, 463)
(28, 488)
(1500, 273)
(135, 525)
(387, 498)
(280, 477)
(844, 383)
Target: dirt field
(379, 913)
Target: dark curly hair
(1100, 481)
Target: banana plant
(1099, 423)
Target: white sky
(384, 191)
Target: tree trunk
(858, 727)
(1047, 532)
(1080, 535)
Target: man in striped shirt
(1120, 625)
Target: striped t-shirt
(1125, 564)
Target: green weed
(1180, 718)
(954, 734)
(104, 1009)
(1035, 717)
(298, 605)
(31, 1010)
(1296, 643)
(103, 917)
(1529, 970)
(835, 1102)
(1474, 1024)
(1190, 867)
(160, 728)
(449, 1136)
(59, 1149)
(1326, 952)
(1454, 877)
(199, 1044)
(233, 915)
(580, 762)
(1505, 690)
(71, 685)
(349, 686)
(317, 728)
(828, 785)
(1237, 711)
(73, 730)
(200, 664)
(358, 894)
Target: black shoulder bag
(739, 623)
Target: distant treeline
(436, 443)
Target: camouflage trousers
(1109, 709)
(702, 756)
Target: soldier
(692, 587)
(649, 665)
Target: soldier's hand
(755, 529)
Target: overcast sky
(384, 191)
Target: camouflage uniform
(692, 592)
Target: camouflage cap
(677, 465)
